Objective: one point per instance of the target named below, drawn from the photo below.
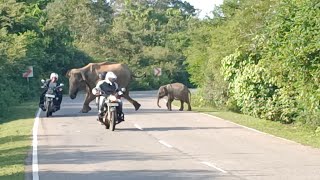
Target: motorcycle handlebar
(101, 93)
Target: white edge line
(165, 144)
(35, 166)
(137, 126)
(250, 128)
(213, 166)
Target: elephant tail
(189, 96)
(139, 76)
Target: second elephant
(175, 91)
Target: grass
(303, 134)
(15, 140)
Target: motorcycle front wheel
(113, 120)
(106, 121)
(48, 109)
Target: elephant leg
(133, 102)
(189, 105)
(181, 106)
(169, 104)
(89, 97)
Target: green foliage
(233, 26)
(15, 141)
(278, 79)
(197, 52)
(145, 35)
(27, 40)
(296, 47)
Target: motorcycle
(50, 97)
(110, 118)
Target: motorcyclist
(108, 86)
(102, 76)
(52, 82)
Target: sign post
(28, 73)
(157, 71)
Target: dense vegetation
(256, 57)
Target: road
(156, 144)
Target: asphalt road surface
(156, 144)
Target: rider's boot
(120, 117)
(42, 107)
(56, 108)
(100, 117)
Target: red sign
(28, 73)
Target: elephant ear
(94, 68)
(165, 88)
(83, 75)
(68, 74)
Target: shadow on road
(174, 174)
(176, 128)
(154, 111)
(82, 155)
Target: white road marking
(250, 128)
(137, 126)
(213, 166)
(35, 166)
(165, 144)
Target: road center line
(137, 126)
(35, 166)
(165, 144)
(213, 166)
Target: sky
(204, 5)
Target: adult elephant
(87, 77)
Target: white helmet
(54, 75)
(110, 77)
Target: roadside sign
(28, 73)
(157, 71)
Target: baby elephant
(175, 91)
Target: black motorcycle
(110, 118)
(51, 97)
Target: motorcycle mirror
(43, 81)
(123, 89)
(61, 84)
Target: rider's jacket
(106, 87)
(51, 84)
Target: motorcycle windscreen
(50, 95)
(52, 85)
(112, 104)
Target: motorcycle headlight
(112, 98)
